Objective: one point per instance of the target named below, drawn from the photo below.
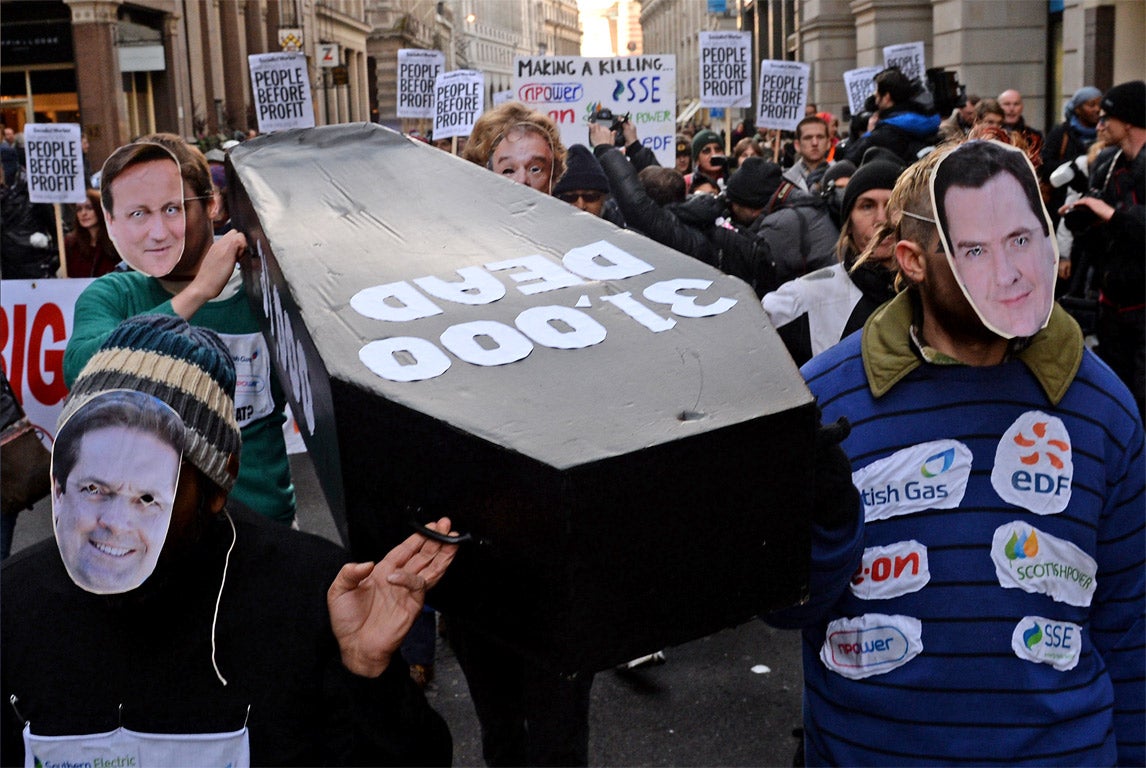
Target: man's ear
(213, 204)
(910, 258)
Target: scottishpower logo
(1034, 465)
(1035, 561)
(930, 475)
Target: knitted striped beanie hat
(186, 367)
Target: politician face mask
(997, 235)
(115, 471)
(143, 203)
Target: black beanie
(703, 139)
(754, 182)
(877, 174)
(582, 172)
(1127, 102)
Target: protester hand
(1100, 208)
(214, 272)
(629, 130)
(599, 134)
(372, 606)
(1064, 269)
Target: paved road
(711, 704)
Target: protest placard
(54, 162)
(458, 102)
(500, 97)
(908, 57)
(417, 70)
(783, 94)
(859, 85)
(281, 89)
(569, 89)
(725, 70)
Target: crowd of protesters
(909, 267)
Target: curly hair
(491, 127)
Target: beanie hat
(682, 145)
(1080, 97)
(754, 182)
(877, 174)
(582, 171)
(702, 140)
(1127, 102)
(186, 367)
(838, 170)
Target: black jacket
(73, 658)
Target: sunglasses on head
(588, 196)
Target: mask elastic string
(219, 598)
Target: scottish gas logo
(930, 475)
(1034, 465)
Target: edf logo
(1033, 464)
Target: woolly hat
(188, 368)
(754, 182)
(877, 174)
(582, 171)
(838, 170)
(1080, 97)
(702, 140)
(682, 145)
(1127, 102)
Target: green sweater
(264, 483)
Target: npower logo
(1034, 465)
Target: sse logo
(1045, 641)
(1034, 464)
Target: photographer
(1110, 222)
(624, 138)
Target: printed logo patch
(872, 644)
(926, 476)
(1044, 641)
(1033, 561)
(891, 571)
(1034, 464)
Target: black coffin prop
(629, 445)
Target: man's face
(201, 215)
(112, 516)
(704, 162)
(525, 157)
(1088, 111)
(9, 135)
(868, 213)
(1111, 130)
(1012, 104)
(588, 200)
(967, 113)
(1001, 256)
(684, 162)
(813, 144)
(148, 225)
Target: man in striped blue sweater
(996, 613)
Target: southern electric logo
(1034, 464)
(930, 475)
(1045, 641)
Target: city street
(712, 703)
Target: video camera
(616, 124)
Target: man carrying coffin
(161, 627)
(996, 616)
(160, 204)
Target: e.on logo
(890, 571)
(1034, 465)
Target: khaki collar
(1053, 355)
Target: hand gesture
(630, 132)
(214, 271)
(600, 134)
(372, 606)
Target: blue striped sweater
(996, 617)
